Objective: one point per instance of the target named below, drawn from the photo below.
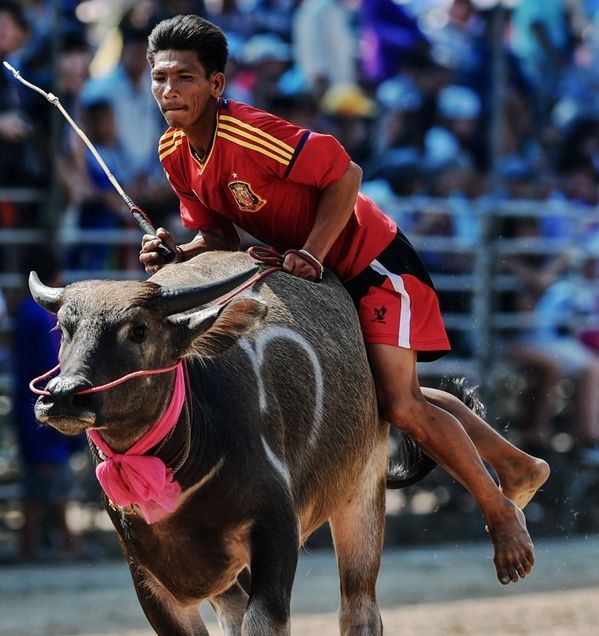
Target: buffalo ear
(213, 330)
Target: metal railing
(481, 323)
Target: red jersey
(265, 175)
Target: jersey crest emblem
(246, 199)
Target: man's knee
(406, 412)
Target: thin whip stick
(138, 214)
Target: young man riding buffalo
(233, 165)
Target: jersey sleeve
(320, 161)
(313, 159)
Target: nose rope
(101, 387)
(265, 255)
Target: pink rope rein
(101, 387)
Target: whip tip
(10, 68)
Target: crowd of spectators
(410, 89)
(407, 87)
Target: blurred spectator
(325, 44)
(19, 159)
(139, 122)
(429, 78)
(535, 270)
(458, 132)
(579, 143)
(541, 41)
(348, 114)
(276, 17)
(300, 109)
(454, 44)
(64, 76)
(390, 34)
(552, 350)
(266, 58)
(44, 452)
(517, 177)
(101, 207)
(521, 136)
(454, 218)
(72, 70)
(401, 168)
(399, 101)
(232, 17)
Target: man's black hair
(191, 33)
(16, 11)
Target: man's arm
(334, 210)
(224, 238)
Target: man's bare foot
(519, 480)
(514, 552)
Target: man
(231, 164)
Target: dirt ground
(437, 591)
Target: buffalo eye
(138, 333)
(64, 332)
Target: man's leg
(442, 436)
(520, 475)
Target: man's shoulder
(258, 131)
(231, 110)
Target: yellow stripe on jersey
(170, 149)
(245, 144)
(257, 132)
(268, 147)
(169, 138)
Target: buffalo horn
(184, 298)
(49, 298)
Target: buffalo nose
(65, 392)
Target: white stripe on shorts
(406, 310)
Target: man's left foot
(514, 552)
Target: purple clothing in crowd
(388, 33)
(35, 351)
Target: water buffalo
(272, 430)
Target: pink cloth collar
(133, 478)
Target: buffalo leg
(230, 608)
(274, 548)
(357, 526)
(165, 617)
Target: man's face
(181, 88)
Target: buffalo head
(113, 328)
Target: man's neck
(201, 136)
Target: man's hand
(302, 264)
(149, 257)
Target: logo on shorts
(379, 314)
(245, 197)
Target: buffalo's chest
(189, 563)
